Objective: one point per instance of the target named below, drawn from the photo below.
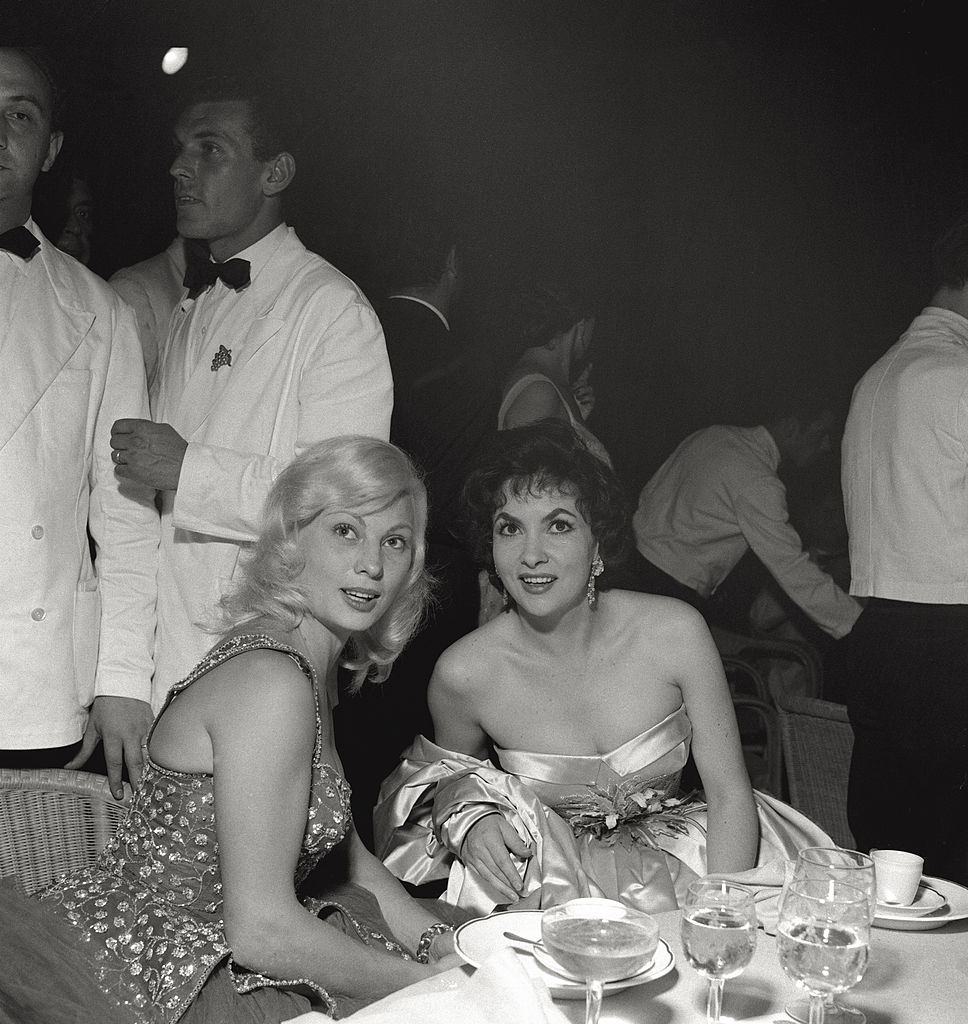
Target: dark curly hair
(548, 455)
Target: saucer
(475, 940)
(926, 901)
(954, 908)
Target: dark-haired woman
(588, 700)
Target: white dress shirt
(716, 497)
(251, 378)
(70, 629)
(905, 467)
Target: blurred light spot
(174, 60)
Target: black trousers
(907, 699)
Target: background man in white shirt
(74, 636)
(905, 483)
(719, 495)
(256, 366)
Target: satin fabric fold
(434, 796)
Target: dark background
(741, 190)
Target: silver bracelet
(422, 955)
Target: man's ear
(280, 172)
(53, 148)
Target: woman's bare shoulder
(653, 616)
(474, 658)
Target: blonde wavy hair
(350, 473)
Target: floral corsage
(641, 814)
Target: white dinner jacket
(308, 361)
(68, 631)
(153, 288)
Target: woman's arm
(407, 918)
(490, 841)
(538, 401)
(451, 697)
(733, 836)
(262, 729)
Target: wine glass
(599, 940)
(856, 869)
(718, 934)
(823, 937)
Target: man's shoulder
(75, 284)
(294, 268)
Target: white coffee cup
(898, 876)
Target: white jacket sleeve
(125, 527)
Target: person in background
(443, 415)
(550, 377)
(905, 481)
(719, 495)
(236, 888)
(77, 235)
(153, 288)
(271, 349)
(75, 635)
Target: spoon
(531, 943)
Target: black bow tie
(203, 274)
(20, 242)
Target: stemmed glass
(821, 863)
(718, 934)
(599, 940)
(823, 937)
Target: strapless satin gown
(433, 798)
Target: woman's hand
(487, 849)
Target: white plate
(955, 909)
(476, 940)
(926, 901)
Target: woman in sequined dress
(237, 889)
(564, 723)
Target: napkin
(500, 990)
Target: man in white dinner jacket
(271, 350)
(75, 637)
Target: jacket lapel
(252, 320)
(51, 324)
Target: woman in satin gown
(236, 889)
(564, 723)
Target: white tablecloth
(913, 978)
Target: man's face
(78, 231)
(219, 192)
(27, 144)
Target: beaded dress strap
(225, 651)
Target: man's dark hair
(274, 123)
(548, 455)
(950, 255)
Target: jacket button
(37, 532)
(38, 614)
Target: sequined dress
(148, 915)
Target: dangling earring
(505, 600)
(598, 567)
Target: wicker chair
(758, 652)
(817, 743)
(53, 821)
